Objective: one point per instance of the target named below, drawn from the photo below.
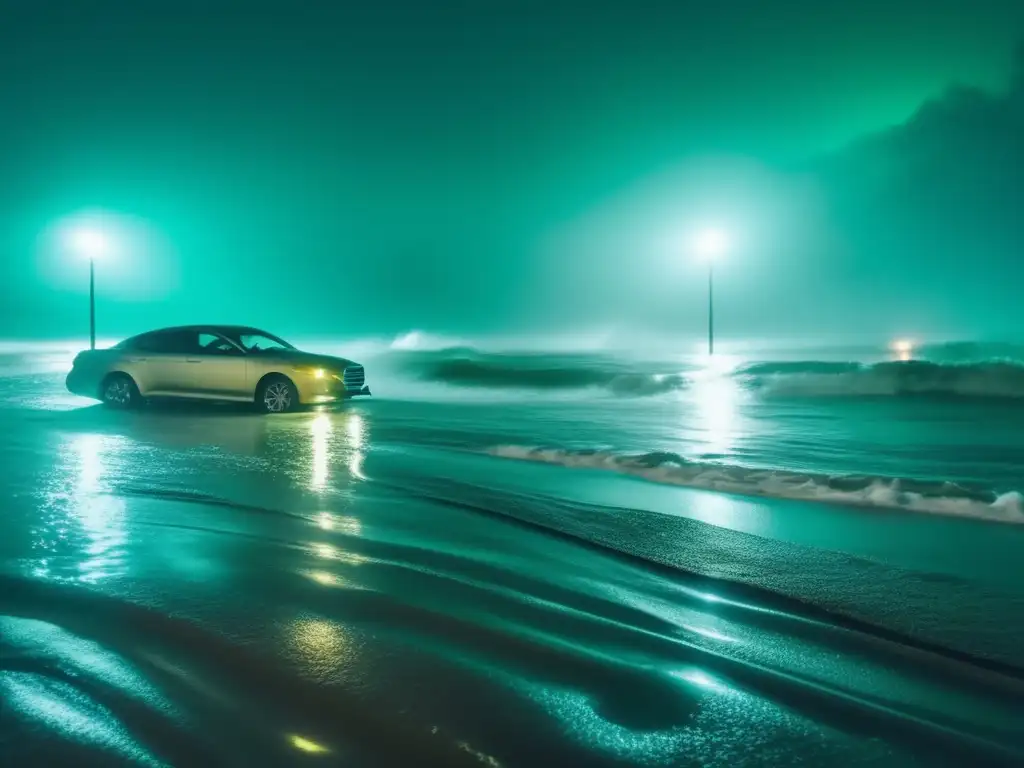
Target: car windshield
(262, 342)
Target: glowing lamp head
(90, 243)
(904, 349)
(711, 243)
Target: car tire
(120, 391)
(277, 394)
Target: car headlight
(316, 373)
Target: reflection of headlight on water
(324, 550)
(307, 745)
(329, 552)
(709, 633)
(355, 466)
(325, 578)
(700, 678)
(323, 647)
(320, 428)
(356, 431)
(341, 523)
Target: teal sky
(478, 167)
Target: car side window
(212, 344)
(168, 342)
(183, 342)
(150, 342)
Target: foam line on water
(867, 491)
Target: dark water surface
(372, 585)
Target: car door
(157, 362)
(218, 367)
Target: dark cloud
(928, 213)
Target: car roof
(227, 330)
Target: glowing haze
(515, 167)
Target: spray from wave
(864, 491)
(888, 379)
(467, 367)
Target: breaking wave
(973, 352)
(857, 490)
(951, 374)
(467, 367)
(913, 377)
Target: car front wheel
(277, 395)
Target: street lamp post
(711, 307)
(710, 245)
(92, 303)
(90, 243)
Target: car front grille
(354, 377)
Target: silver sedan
(214, 362)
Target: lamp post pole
(92, 303)
(711, 307)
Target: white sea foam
(885, 493)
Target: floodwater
(492, 579)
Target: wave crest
(915, 377)
(469, 368)
(973, 352)
(472, 368)
(857, 490)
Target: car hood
(296, 357)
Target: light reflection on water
(321, 646)
(717, 399)
(341, 523)
(356, 431)
(330, 552)
(320, 428)
(702, 679)
(708, 633)
(80, 517)
(358, 434)
(307, 745)
(326, 578)
(723, 511)
(327, 445)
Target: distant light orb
(904, 349)
(711, 243)
(88, 242)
